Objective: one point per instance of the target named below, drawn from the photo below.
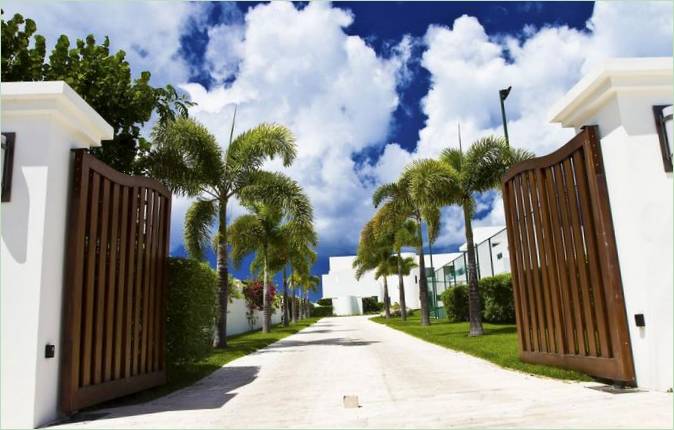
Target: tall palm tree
(411, 198)
(373, 253)
(295, 252)
(477, 170)
(403, 233)
(187, 158)
(403, 267)
(263, 229)
(309, 283)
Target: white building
(346, 292)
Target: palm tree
(263, 229)
(412, 198)
(373, 253)
(480, 169)
(403, 234)
(309, 283)
(403, 266)
(187, 158)
(295, 252)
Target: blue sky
(368, 86)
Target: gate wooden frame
(550, 203)
(114, 301)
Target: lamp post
(503, 94)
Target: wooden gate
(115, 287)
(568, 294)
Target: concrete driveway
(400, 381)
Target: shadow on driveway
(211, 392)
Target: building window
(7, 163)
(663, 124)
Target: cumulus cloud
(299, 68)
(149, 32)
(469, 66)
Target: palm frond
(245, 235)
(185, 156)
(252, 148)
(198, 220)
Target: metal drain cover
(350, 402)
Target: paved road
(400, 382)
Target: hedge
(324, 302)
(191, 310)
(371, 305)
(321, 311)
(496, 300)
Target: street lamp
(503, 94)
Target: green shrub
(371, 305)
(497, 299)
(455, 301)
(324, 302)
(322, 311)
(395, 310)
(191, 310)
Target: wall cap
(55, 97)
(611, 77)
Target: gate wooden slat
(608, 253)
(520, 319)
(131, 283)
(528, 272)
(112, 274)
(88, 347)
(550, 264)
(596, 280)
(120, 327)
(146, 280)
(138, 285)
(567, 289)
(75, 266)
(115, 295)
(561, 267)
(534, 266)
(580, 259)
(572, 287)
(546, 289)
(100, 288)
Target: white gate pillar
(48, 119)
(619, 99)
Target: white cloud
(468, 67)
(299, 68)
(149, 32)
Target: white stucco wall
(49, 119)
(237, 321)
(618, 98)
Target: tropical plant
(310, 283)
(413, 198)
(478, 170)
(374, 253)
(187, 158)
(273, 219)
(102, 79)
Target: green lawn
(238, 346)
(498, 344)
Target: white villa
(443, 270)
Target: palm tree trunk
(266, 303)
(285, 298)
(423, 284)
(401, 289)
(223, 274)
(473, 293)
(387, 300)
(293, 301)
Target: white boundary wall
(237, 321)
(619, 98)
(49, 120)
